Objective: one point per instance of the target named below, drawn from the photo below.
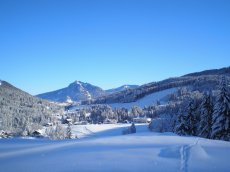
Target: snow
(69, 100)
(88, 95)
(98, 130)
(78, 82)
(82, 89)
(147, 100)
(0, 83)
(108, 150)
(87, 114)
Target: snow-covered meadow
(102, 148)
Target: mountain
(121, 88)
(200, 81)
(20, 111)
(90, 94)
(76, 91)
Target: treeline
(104, 114)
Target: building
(141, 120)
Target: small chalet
(68, 121)
(37, 133)
(142, 120)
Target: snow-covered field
(106, 150)
(99, 130)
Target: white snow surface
(98, 130)
(147, 100)
(69, 100)
(0, 83)
(106, 150)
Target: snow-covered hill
(108, 150)
(76, 91)
(18, 110)
(121, 88)
(151, 99)
(90, 94)
(80, 91)
(200, 81)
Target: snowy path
(184, 158)
(185, 154)
(106, 150)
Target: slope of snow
(147, 100)
(69, 100)
(143, 151)
(121, 88)
(105, 130)
(89, 97)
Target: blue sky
(47, 44)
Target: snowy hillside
(200, 81)
(90, 94)
(21, 113)
(108, 150)
(148, 100)
(76, 91)
(121, 88)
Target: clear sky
(47, 44)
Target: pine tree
(221, 114)
(133, 128)
(69, 132)
(206, 110)
(191, 119)
(181, 127)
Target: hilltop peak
(75, 91)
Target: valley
(106, 133)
